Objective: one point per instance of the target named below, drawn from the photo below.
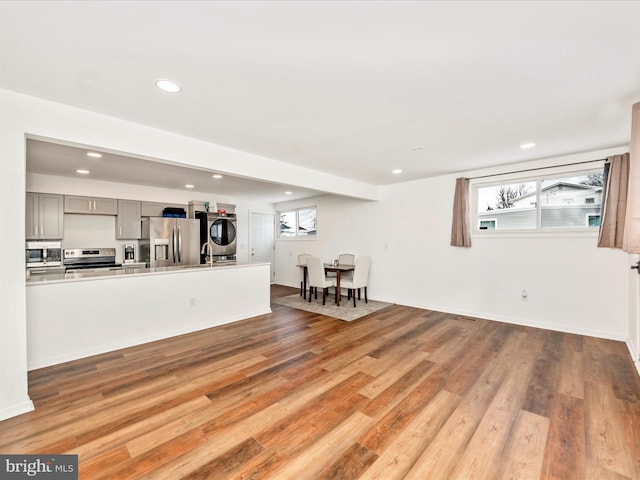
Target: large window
(300, 222)
(545, 203)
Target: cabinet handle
(89, 205)
(41, 230)
(120, 230)
(94, 206)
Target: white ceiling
(349, 88)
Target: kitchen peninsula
(71, 316)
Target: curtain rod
(538, 168)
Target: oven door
(92, 268)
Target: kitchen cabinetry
(128, 220)
(44, 218)
(90, 205)
(154, 209)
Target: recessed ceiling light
(216, 175)
(527, 145)
(168, 86)
(94, 155)
(417, 148)
(396, 171)
(82, 171)
(188, 185)
(288, 193)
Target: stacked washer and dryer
(219, 230)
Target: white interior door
(262, 246)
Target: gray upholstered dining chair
(360, 279)
(302, 260)
(317, 278)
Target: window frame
(297, 215)
(544, 174)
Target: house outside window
(299, 222)
(545, 203)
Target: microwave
(43, 254)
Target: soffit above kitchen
(352, 88)
(58, 159)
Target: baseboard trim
(15, 410)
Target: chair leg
(324, 295)
(353, 294)
(366, 300)
(358, 294)
(310, 293)
(300, 288)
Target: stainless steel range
(90, 259)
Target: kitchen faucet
(204, 251)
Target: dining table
(328, 267)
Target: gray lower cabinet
(90, 205)
(154, 209)
(44, 219)
(128, 220)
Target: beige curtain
(631, 242)
(614, 208)
(460, 236)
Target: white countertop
(43, 279)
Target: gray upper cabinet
(128, 221)
(90, 205)
(154, 209)
(44, 219)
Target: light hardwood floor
(401, 394)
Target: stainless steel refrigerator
(169, 242)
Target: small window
(590, 200)
(300, 222)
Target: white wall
(14, 398)
(572, 285)
(138, 309)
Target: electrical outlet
(524, 295)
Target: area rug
(346, 311)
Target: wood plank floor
(401, 394)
